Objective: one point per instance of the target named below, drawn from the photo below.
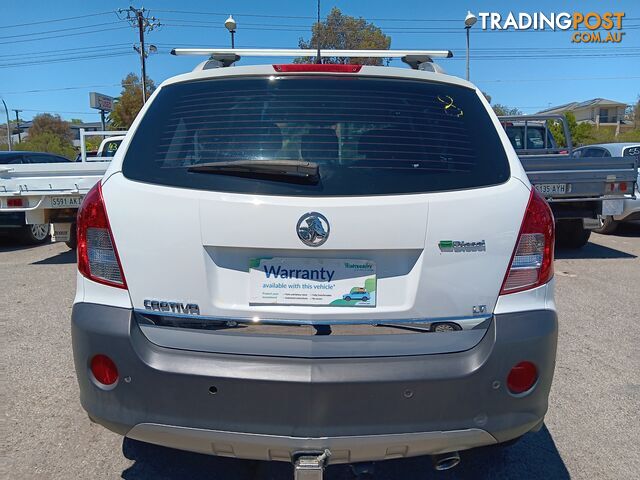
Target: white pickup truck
(50, 193)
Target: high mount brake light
(97, 254)
(317, 67)
(532, 260)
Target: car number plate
(612, 207)
(551, 188)
(312, 282)
(66, 202)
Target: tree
(581, 133)
(49, 133)
(342, 32)
(129, 103)
(504, 110)
(47, 123)
(48, 142)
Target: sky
(50, 62)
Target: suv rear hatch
(392, 201)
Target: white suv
(332, 260)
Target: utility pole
(140, 19)
(18, 123)
(6, 111)
(318, 57)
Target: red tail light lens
(15, 202)
(97, 255)
(532, 261)
(617, 187)
(317, 67)
(104, 370)
(522, 377)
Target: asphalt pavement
(592, 428)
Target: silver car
(631, 209)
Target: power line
(66, 59)
(78, 49)
(526, 80)
(66, 35)
(45, 110)
(302, 17)
(56, 20)
(393, 30)
(79, 87)
(61, 30)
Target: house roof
(587, 103)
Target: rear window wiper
(294, 171)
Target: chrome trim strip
(466, 322)
(598, 170)
(586, 199)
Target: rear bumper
(631, 212)
(12, 220)
(271, 407)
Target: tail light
(616, 187)
(15, 203)
(97, 255)
(532, 261)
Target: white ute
(316, 263)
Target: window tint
(110, 148)
(11, 159)
(44, 158)
(633, 151)
(368, 136)
(593, 152)
(535, 137)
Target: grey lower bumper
(343, 449)
(272, 407)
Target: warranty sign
(313, 282)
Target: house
(88, 127)
(597, 111)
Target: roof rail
(227, 56)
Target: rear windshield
(369, 136)
(535, 137)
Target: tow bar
(310, 466)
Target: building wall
(614, 113)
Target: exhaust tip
(445, 461)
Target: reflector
(522, 377)
(104, 370)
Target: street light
(231, 25)
(469, 21)
(6, 111)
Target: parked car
(109, 146)
(631, 209)
(14, 158)
(356, 295)
(579, 191)
(209, 252)
(14, 223)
